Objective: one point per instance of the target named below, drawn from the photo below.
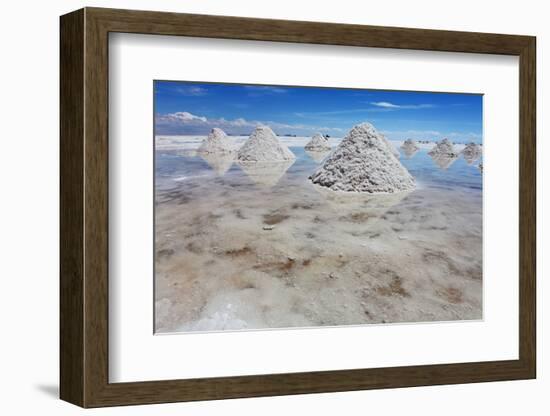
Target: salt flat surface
(260, 248)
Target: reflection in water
(444, 161)
(409, 151)
(471, 153)
(187, 153)
(409, 148)
(265, 173)
(360, 207)
(318, 155)
(219, 162)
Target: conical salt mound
(409, 147)
(444, 147)
(363, 162)
(471, 153)
(216, 142)
(318, 143)
(264, 146)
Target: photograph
(298, 207)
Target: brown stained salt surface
(372, 259)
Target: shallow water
(258, 246)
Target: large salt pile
(264, 146)
(363, 162)
(409, 147)
(471, 153)
(318, 143)
(216, 142)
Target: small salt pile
(318, 143)
(471, 153)
(409, 147)
(216, 142)
(444, 147)
(264, 146)
(443, 154)
(363, 162)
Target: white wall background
(29, 207)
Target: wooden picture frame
(84, 207)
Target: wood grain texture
(71, 208)
(84, 207)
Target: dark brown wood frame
(84, 207)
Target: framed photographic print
(255, 207)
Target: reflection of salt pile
(318, 143)
(264, 146)
(219, 162)
(217, 142)
(317, 155)
(471, 153)
(265, 173)
(443, 161)
(443, 154)
(409, 148)
(361, 207)
(187, 152)
(363, 162)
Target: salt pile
(318, 143)
(363, 162)
(216, 142)
(409, 147)
(443, 154)
(444, 147)
(264, 146)
(471, 153)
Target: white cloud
(391, 106)
(257, 90)
(192, 91)
(183, 116)
(431, 135)
(184, 122)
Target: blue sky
(187, 108)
